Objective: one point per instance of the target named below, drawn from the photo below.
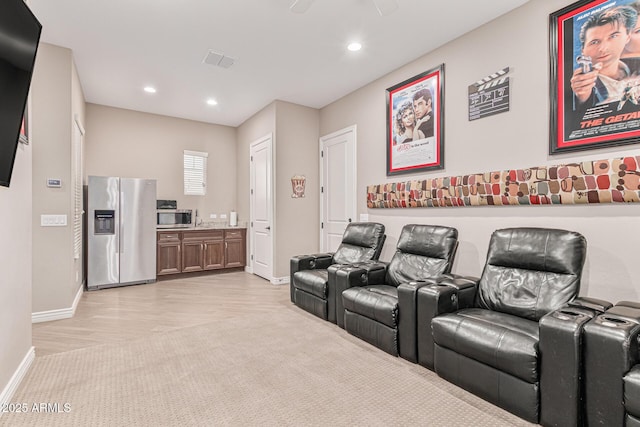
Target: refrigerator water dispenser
(104, 222)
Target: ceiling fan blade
(300, 6)
(386, 7)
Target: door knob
(268, 227)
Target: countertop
(204, 227)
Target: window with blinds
(195, 173)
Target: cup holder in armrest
(613, 322)
(566, 314)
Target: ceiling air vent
(218, 59)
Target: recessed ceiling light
(354, 47)
(150, 89)
(212, 102)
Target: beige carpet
(282, 368)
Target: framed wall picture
(595, 75)
(415, 118)
(24, 130)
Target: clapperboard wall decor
(489, 95)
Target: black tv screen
(19, 36)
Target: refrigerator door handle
(121, 222)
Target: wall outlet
(213, 216)
(364, 217)
(223, 216)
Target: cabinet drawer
(203, 235)
(164, 236)
(234, 234)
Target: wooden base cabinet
(191, 256)
(200, 250)
(213, 252)
(235, 251)
(169, 253)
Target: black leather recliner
(312, 287)
(511, 337)
(612, 366)
(379, 299)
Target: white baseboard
(63, 313)
(274, 280)
(280, 280)
(16, 379)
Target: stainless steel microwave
(174, 218)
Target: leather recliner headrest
(365, 234)
(538, 249)
(432, 241)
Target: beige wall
(296, 153)
(140, 145)
(518, 138)
(294, 129)
(56, 97)
(15, 265)
(261, 124)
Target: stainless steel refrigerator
(121, 232)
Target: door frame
(354, 175)
(269, 140)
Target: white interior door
(261, 208)
(338, 180)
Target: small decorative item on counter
(233, 219)
(297, 184)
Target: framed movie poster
(415, 123)
(595, 75)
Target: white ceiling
(120, 46)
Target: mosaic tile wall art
(602, 181)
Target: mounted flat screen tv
(19, 36)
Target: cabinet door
(168, 258)
(235, 248)
(213, 254)
(192, 251)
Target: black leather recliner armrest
(594, 304)
(307, 262)
(611, 346)
(631, 304)
(444, 294)
(358, 274)
(408, 319)
(562, 361)
(315, 261)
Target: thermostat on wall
(54, 183)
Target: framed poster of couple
(415, 121)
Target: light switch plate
(223, 216)
(364, 217)
(53, 220)
(213, 216)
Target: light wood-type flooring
(119, 314)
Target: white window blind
(195, 173)
(78, 131)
